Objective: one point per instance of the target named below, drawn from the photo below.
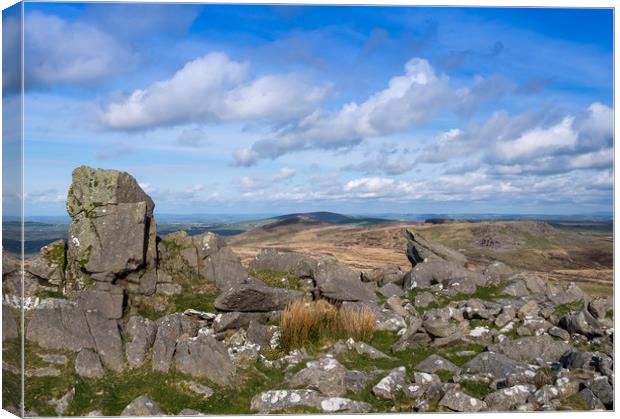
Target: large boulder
(421, 250)
(498, 365)
(169, 329)
(205, 357)
(581, 322)
(112, 233)
(529, 348)
(255, 296)
(62, 327)
(449, 274)
(141, 333)
(326, 375)
(336, 281)
(294, 263)
(107, 338)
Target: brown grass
(310, 323)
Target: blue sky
(253, 109)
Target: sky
(360, 110)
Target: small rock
(204, 391)
(460, 402)
(390, 290)
(390, 384)
(142, 406)
(88, 364)
(435, 363)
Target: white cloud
(212, 88)
(408, 101)
(530, 143)
(538, 141)
(58, 51)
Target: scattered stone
(190, 412)
(598, 307)
(390, 384)
(284, 400)
(142, 406)
(325, 375)
(54, 359)
(460, 402)
(498, 365)
(423, 299)
(559, 333)
(592, 402)
(434, 363)
(529, 309)
(62, 404)
(43, 372)
(88, 364)
(204, 391)
(365, 349)
(516, 289)
(603, 391)
(205, 357)
(509, 398)
(439, 328)
(581, 322)
(390, 289)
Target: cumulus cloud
(63, 52)
(531, 142)
(408, 101)
(212, 88)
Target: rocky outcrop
(421, 250)
(294, 263)
(255, 296)
(112, 235)
(337, 282)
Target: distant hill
(331, 218)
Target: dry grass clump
(307, 323)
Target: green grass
(562, 309)
(201, 300)
(275, 279)
(111, 394)
(489, 293)
(610, 314)
(575, 402)
(477, 389)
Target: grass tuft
(305, 324)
